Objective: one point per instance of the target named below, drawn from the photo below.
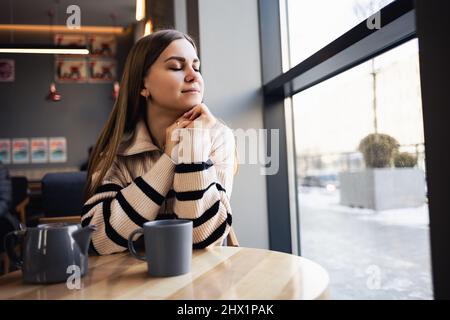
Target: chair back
(231, 239)
(19, 188)
(62, 193)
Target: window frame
(401, 21)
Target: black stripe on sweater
(197, 194)
(86, 221)
(193, 167)
(129, 210)
(213, 237)
(220, 188)
(92, 249)
(154, 195)
(109, 230)
(208, 214)
(104, 188)
(166, 216)
(108, 188)
(88, 207)
(170, 194)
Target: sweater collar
(137, 142)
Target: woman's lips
(190, 91)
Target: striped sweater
(145, 184)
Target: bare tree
(363, 9)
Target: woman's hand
(198, 117)
(172, 137)
(201, 117)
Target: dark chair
(20, 197)
(6, 226)
(62, 194)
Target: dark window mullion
(352, 48)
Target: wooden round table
(217, 273)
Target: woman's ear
(144, 93)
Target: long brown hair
(130, 106)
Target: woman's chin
(191, 101)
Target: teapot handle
(10, 241)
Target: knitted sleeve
(117, 208)
(203, 181)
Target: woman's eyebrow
(180, 59)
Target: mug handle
(10, 241)
(131, 245)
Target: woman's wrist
(194, 146)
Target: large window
(314, 24)
(367, 226)
(360, 161)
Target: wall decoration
(70, 39)
(58, 149)
(102, 70)
(100, 66)
(7, 70)
(102, 45)
(53, 94)
(20, 153)
(5, 151)
(70, 70)
(39, 150)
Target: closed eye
(179, 69)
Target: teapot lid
(57, 225)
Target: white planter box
(383, 189)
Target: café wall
(79, 116)
(231, 68)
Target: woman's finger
(195, 114)
(187, 114)
(184, 123)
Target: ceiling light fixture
(140, 10)
(148, 28)
(60, 28)
(43, 49)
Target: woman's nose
(191, 75)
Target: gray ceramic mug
(168, 246)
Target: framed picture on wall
(5, 151)
(102, 70)
(39, 150)
(7, 70)
(102, 45)
(70, 70)
(58, 149)
(70, 39)
(20, 151)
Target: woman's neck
(158, 119)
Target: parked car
(329, 181)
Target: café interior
(61, 67)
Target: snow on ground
(350, 243)
(321, 198)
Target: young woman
(161, 154)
